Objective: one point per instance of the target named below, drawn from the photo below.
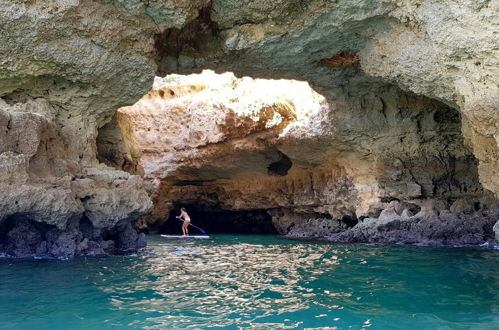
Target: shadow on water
(256, 281)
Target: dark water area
(259, 281)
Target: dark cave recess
(218, 221)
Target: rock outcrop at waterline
(62, 75)
(43, 196)
(66, 66)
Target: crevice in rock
(342, 59)
(25, 238)
(447, 115)
(349, 220)
(111, 149)
(197, 37)
(280, 167)
(17, 96)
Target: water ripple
(230, 283)
(257, 282)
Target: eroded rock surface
(353, 52)
(405, 111)
(446, 50)
(318, 165)
(65, 68)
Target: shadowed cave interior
(213, 220)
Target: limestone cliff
(316, 165)
(445, 51)
(404, 115)
(65, 67)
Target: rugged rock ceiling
(219, 143)
(446, 50)
(66, 66)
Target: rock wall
(443, 50)
(65, 68)
(318, 165)
(406, 110)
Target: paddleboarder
(187, 221)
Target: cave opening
(214, 220)
(241, 142)
(280, 167)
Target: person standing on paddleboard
(187, 221)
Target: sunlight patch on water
(231, 283)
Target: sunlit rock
(317, 164)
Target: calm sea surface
(264, 282)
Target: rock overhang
(440, 50)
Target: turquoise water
(264, 282)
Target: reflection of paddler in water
(187, 221)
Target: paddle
(201, 230)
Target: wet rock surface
(432, 223)
(445, 229)
(25, 239)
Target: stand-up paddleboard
(186, 237)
